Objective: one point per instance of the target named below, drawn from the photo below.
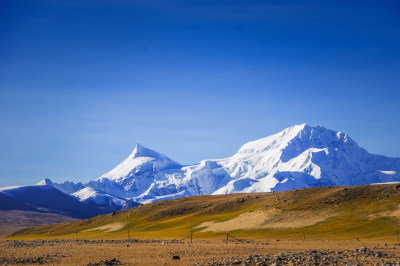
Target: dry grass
(389, 213)
(267, 219)
(107, 228)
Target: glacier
(297, 157)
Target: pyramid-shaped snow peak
(45, 182)
(140, 160)
(141, 151)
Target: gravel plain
(200, 252)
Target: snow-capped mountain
(133, 176)
(299, 156)
(305, 156)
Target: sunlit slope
(364, 212)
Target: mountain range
(297, 157)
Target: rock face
(299, 156)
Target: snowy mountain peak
(294, 140)
(276, 141)
(45, 181)
(137, 150)
(140, 160)
(316, 137)
(141, 151)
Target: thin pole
(191, 236)
(236, 238)
(304, 236)
(129, 236)
(227, 236)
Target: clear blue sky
(81, 82)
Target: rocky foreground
(314, 257)
(200, 252)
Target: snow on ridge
(45, 181)
(272, 141)
(299, 156)
(98, 197)
(2, 189)
(389, 172)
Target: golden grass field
(332, 218)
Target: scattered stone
(49, 258)
(176, 257)
(362, 255)
(311, 257)
(106, 263)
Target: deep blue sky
(81, 82)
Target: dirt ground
(200, 252)
(13, 220)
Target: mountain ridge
(47, 199)
(298, 156)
